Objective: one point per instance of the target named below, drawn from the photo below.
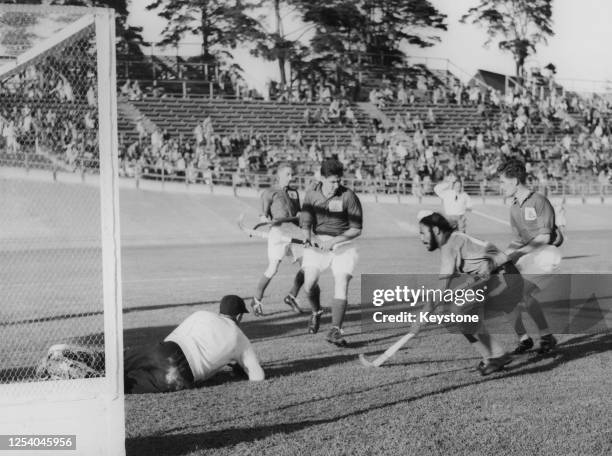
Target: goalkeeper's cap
(232, 306)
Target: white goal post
(61, 261)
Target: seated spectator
(349, 115)
(125, 88)
(402, 95)
(324, 116)
(334, 111)
(180, 166)
(325, 95)
(91, 97)
(307, 116)
(431, 117)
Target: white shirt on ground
(211, 341)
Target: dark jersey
(280, 203)
(535, 215)
(331, 216)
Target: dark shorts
(505, 289)
(159, 368)
(502, 293)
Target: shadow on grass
(182, 443)
(570, 350)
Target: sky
(579, 49)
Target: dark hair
(331, 167)
(513, 167)
(438, 220)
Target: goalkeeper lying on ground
(195, 351)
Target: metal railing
(258, 181)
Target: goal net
(59, 241)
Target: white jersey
(211, 341)
(453, 202)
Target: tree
(397, 21)
(522, 25)
(220, 24)
(275, 46)
(345, 30)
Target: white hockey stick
(389, 352)
(393, 349)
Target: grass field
(317, 399)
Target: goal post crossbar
(67, 34)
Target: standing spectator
(402, 95)
(454, 201)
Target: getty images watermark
(404, 295)
(573, 304)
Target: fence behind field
(257, 181)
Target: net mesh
(50, 240)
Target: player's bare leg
(313, 296)
(291, 298)
(264, 281)
(339, 304)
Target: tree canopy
(220, 24)
(520, 25)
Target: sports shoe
(496, 364)
(257, 307)
(524, 346)
(547, 343)
(292, 302)
(478, 367)
(315, 322)
(334, 336)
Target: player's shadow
(173, 444)
(572, 349)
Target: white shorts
(342, 259)
(279, 248)
(539, 268)
(543, 260)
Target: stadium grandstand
(184, 120)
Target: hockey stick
(252, 232)
(393, 349)
(389, 352)
(275, 222)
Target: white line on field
(491, 217)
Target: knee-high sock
(479, 346)
(338, 311)
(313, 297)
(261, 286)
(535, 311)
(491, 345)
(519, 327)
(298, 281)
